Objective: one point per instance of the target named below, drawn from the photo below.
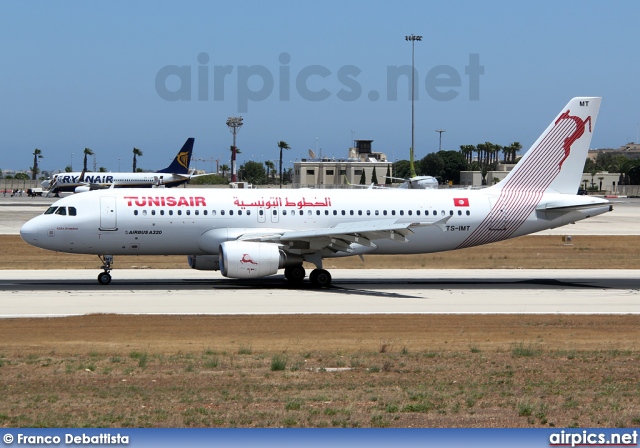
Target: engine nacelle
(204, 262)
(242, 259)
(81, 189)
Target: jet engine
(204, 262)
(82, 189)
(242, 259)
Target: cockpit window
(50, 210)
(72, 211)
(61, 211)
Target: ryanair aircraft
(254, 233)
(175, 174)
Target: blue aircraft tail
(180, 164)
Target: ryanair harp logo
(183, 159)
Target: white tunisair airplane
(175, 174)
(254, 233)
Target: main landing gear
(104, 278)
(320, 278)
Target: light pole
(234, 124)
(118, 164)
(412, 39)
(71, 166)
(440, 131)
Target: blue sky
(105, 75)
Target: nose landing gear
(104, 278)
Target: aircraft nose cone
(30, 232)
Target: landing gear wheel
(320, 278)
(104, 278)
(295, 274)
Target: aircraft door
(108, 213)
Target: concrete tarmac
(367, 291)
(184, 291)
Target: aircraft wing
(341, 236)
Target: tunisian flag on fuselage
(461, 202)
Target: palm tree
(136, 152)
(467, 151)
(37, 154)
(282, 145)
(270, 168)
(224, 168)
(514, 147)
(87, 152)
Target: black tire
(104, 278)
(320, 278)
(295, 274)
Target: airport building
(630, 151)
(324, 172)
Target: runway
(358, 291)
(371, 291)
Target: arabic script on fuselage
(276, 201)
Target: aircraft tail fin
(555, 162)
(180, 164)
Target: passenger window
(359, 212)
(418, 212)
(318, 212)
(468, 212)
(135, 212)
(275, 212)
(284, 213)
(261, 212)
(197, 212)
(300, 213)
(343, 212)
(171, 212)
(377, 212)
(153, 212)
(368, 212)
(459, 212)
(393, 212)
(409, 212)
(179, 212)
(326, 212)
(222, 212)
(239, 212)
(231, 212)
(248, 212)
(213, 213)
(351, 212)
(144, 213)
(384, 213)
(451, 212)
(205, 212)
(401, 212)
